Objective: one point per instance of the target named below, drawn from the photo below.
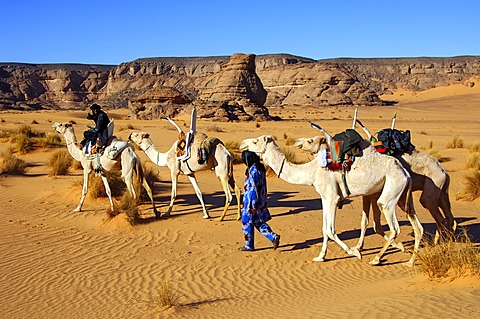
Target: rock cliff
(240, 87)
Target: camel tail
(138, 168)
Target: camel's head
(257, 145)
(310, 144)
(137, 137)
(62, 127)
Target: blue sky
(112, 32)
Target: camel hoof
(355, 252)
(239, 217)
(318, 259)
(77, 210)
(157, 214)
(375, 261)
(206, 217)
(399, 246)
(408, 264)
(219, 219)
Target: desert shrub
(166, 297)
(129, 207)
(34, 121)
(456, 142)
(434, 153)
(128, 127)
(23, 143)
(50, 140)
(471, 189)
(234, 148)
(77, 165)
(59, 163)
(475, 147)
(213, 128)
(474, 160)
(96, 189)
(450, 258)
(151, 178)
(11, 164)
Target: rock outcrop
(227, 88)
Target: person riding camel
(98, 135)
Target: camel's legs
(418, 232)
(234, 186)
(194, 183)
(173, 195)
(107, 190)
(377, 226)
(329, 210)
(86, 173)
(388, 209)
(228, 198)
(150, 194)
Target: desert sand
(59, 264)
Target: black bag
(396, 141)
(349, 143)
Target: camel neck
(301, 174)
(155, 156)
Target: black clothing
(100, 131)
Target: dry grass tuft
(450, 259)
(474, 160)
(59, 163)
(23, 143)
(475, 147)
(166, 297)
(471, 189)
(151, 178)
(128, 127)
(213, 128)
(233, 148)
(434, 153)
(11, 164)
(127, 206)
(456, 142)
(50, 140)
(96, 189)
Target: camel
(370, 173)
(219, 160)
(428, 176)
(126, 160)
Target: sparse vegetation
(434, 153)
(96, 189)
(456, 142)
(475, 147)
(59, 163)
(50, 140)
(11, 164)
(151, 178)
(166, 297)
(471, 189)
(450, 259)
(128, 127)
(128, 207)
(474, 160)
(213, 128)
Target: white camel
(370, 173)
(118, 155)
(219, 160)
(428, 176)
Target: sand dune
(60, 264)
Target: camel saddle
(205, 148)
